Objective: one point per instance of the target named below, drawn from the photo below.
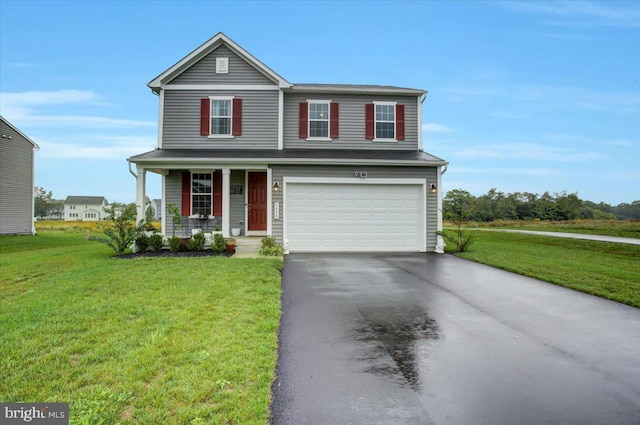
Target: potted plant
(231, 244)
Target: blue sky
(523, 96)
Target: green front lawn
(144, 341)
(608, 270)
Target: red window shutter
(186, 193)
(334, 125)
(205, 116)
(369, 121)
(303, 121)
(217, 193)
(399, 122)
(236, 126)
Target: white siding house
(85, 208)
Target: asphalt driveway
(433, 339)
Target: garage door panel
(354, 217)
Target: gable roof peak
(204, 49)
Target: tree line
(496, 205)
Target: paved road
(434, 339)
(601, 238)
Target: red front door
(257, 200)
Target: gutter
(130, 170)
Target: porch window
(201, 193)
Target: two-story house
(85, 208)
(321, 167)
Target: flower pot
(231, 244)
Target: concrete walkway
(600, 238)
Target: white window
(201, 193)
(385, 120)
(221, 113)
(319, 119)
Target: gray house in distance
(16, 181)
(321, 167)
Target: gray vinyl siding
(204, 71)
(236, 207)
(181, 120)
(352, 125)
(429, 173)
(16, 183)
(173, 194)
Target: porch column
(141, 181)
(226, 210)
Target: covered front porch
(210, 198)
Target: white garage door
(354, 217)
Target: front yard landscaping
(147, 340)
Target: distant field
(622, 228)
(76, 226)
(608, 270)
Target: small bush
(174, 243)
(156, 241)
(461, 239)
(270, 247)
(219, 244)
(142, 242)
(196, 243)
(120, 228)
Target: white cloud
(436, 128)
(508, 115)
(536, 172)
(529, 151)
(26, 107)
(101, 148)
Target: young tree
(120, 228)
(459, 205)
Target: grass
(622, 228)
(608, 270)
(164, 340)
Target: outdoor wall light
(433, 188)
(276, 187)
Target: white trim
(280, 120)
(269, 202)
(140, 193)
(226, 201)
(319, 139)
(368, 181)
(319, 102)
(163, 203)
(375, 121)
(251, 87)
(419, 101)
(181, 163)
(209, 46)
(160, 118)
(346, 88)
(226, 135)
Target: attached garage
(354, 215)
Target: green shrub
(156, 241)
(120, 227)
(270, 247)
(174, 243)
(196, 243)
(142, 242)
(219, 244)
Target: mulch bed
(166, 253)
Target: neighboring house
(156, 207)
(85, 208)
(16, 181)
(321, 167)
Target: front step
(248, 244)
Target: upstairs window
(319, 120)
(221, 117)
(384, 121)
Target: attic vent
(222, 65)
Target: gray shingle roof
(291, 156)
(84, 200)
(355, 88)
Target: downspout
(130, 170)
(422, 99)
(439, 239)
